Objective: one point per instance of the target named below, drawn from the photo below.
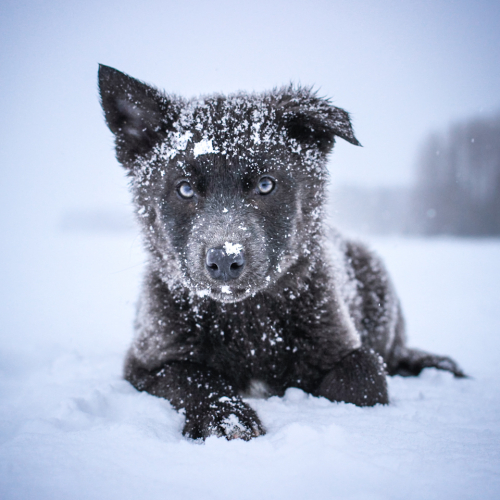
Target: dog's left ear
(313, 121)
(136, 113)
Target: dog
(243, 294)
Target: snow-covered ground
(71, 428)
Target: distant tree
(458, 180)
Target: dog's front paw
(359, 378)
(227, 417)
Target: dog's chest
(249, 327)
(248, 337)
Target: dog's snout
(223, 266)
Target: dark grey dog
(241, 294)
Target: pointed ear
(138, 115)
(313, 121)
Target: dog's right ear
(138, 115)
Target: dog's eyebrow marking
(188, 168)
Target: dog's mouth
(226, 292)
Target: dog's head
(229, 190)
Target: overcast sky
(400, 68)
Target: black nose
(223, 266)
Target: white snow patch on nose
(232, 248)
(225, 289)
(203, 147)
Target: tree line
(457, 188)
(458, 181)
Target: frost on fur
(229, 193)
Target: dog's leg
(358, 378)
(410, 362)
(211, 405)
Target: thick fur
(301, 311)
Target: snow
(232, 248)
(71, 428)
(203, 147)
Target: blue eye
(266, 185)
(185, 190)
